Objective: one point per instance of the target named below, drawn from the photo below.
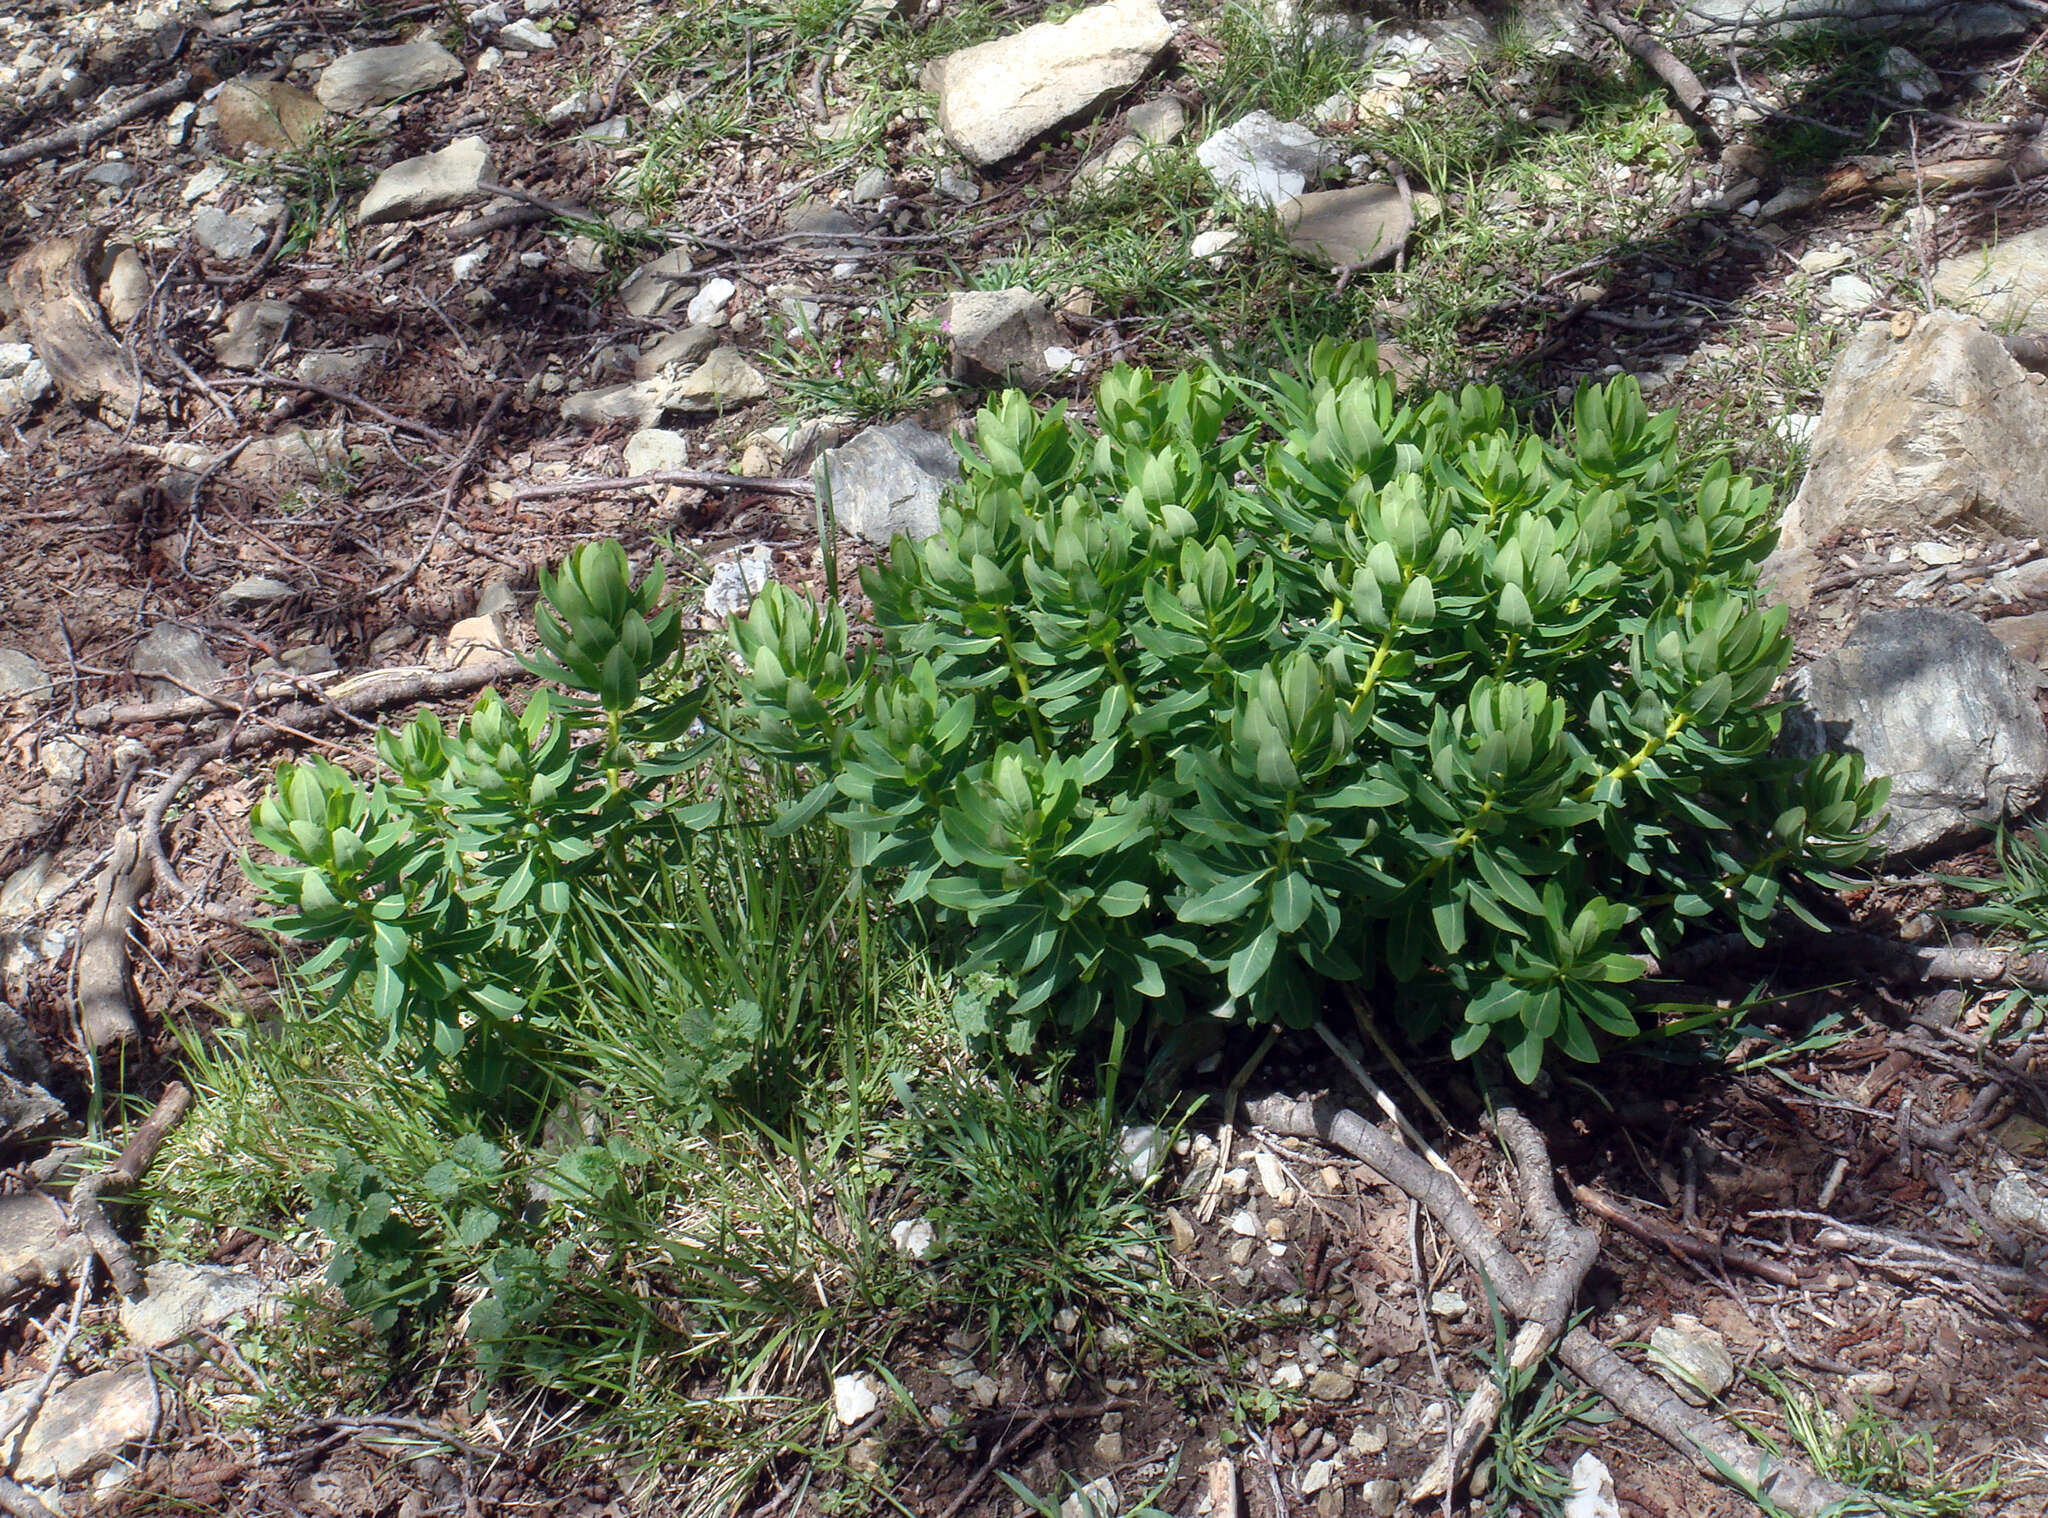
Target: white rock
(1823, 260)
(709, 303)
(1141, 1150)
(853, 1398)
(1263, 160)
(1851, 293)
(913, 1237)
(735, 583)
(1592, 1493)
(997, 97)
(573, 108)
(467, 266)
(524, 36)
(375, 76)
(1064, 361)
(1214, 244)
(654, 450)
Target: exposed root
(1716, 1449)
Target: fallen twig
(362, 693)
(1683, 1245)
(1715, 1448)
(106, 1000)
(700, 478)
(72, 138)
(89, 1216)
(1897, 1252)
(1686, 90)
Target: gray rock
(254, 328)
(84, 1425)
(20, 675)
(1445, 44)
(652, 450)
(1933, 21)
(180, 1299)
(872, 185)
(342, 368)
(998, 97)
(999, 337)
(1112, 163)
(2014, 1201)
(961, 189)
(1933, 700)
(234, 238)
(1360, 227)
(375, 76)
(1915, 434)
(294, 456)
(24, 378)
(681, 349)
(181, 653)
(658, 286)
(428, 184)
(639, 403)
(890, 480)
(1692, 1358)
(723, 379)
(113, 174)
(36, 1240)
(2006, 283)
(255, 590)
(64, 761)
(1157, 122)
(266, 113)
(1263, 160)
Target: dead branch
(1716, 1449)
(1902, 1255)
(71, 138)
(106, 1000)
(1858, 178)
(369, 692)
(1569, 1251)
(1687, 92)
(68, 329)
(88, 1214)
(1684, 1245)
(700, 478)
(1899, 962)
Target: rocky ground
(325, 328)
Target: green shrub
(454, 885)
(1274, 684)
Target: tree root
(106, 1000)
(1714, 1448)
(88, 1212)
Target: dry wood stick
(1686, 90)
(702, 479)
(74, 137)
(1681, 1244)
(1715, 1448)
(89, 1216)
(363, 693)
(106, 1001)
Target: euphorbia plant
(1272, 684)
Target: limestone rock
(429, 183)
(1916, 434)
(20, 675)
(254, 328)
(2006, 283)
(181, 1299)
(1157, 122)
(638, 403)
(125, 290)
(1364, 226)
(723, 379)
(736, 581)
(654, 451)
(1693, 1358)
(997, 97)
(292, 456)
(658, 286)
(681, 349)
(1263, 160)
(1933, 700)
(234, 238)
(375, 76)
(889, 480)
(84, 1425)
(1592, 1493)
(180, 653)
(266, 113)
(24, 378)
(999, 337)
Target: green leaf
(1249, 964)
(1226, 901)
(1292, 898)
